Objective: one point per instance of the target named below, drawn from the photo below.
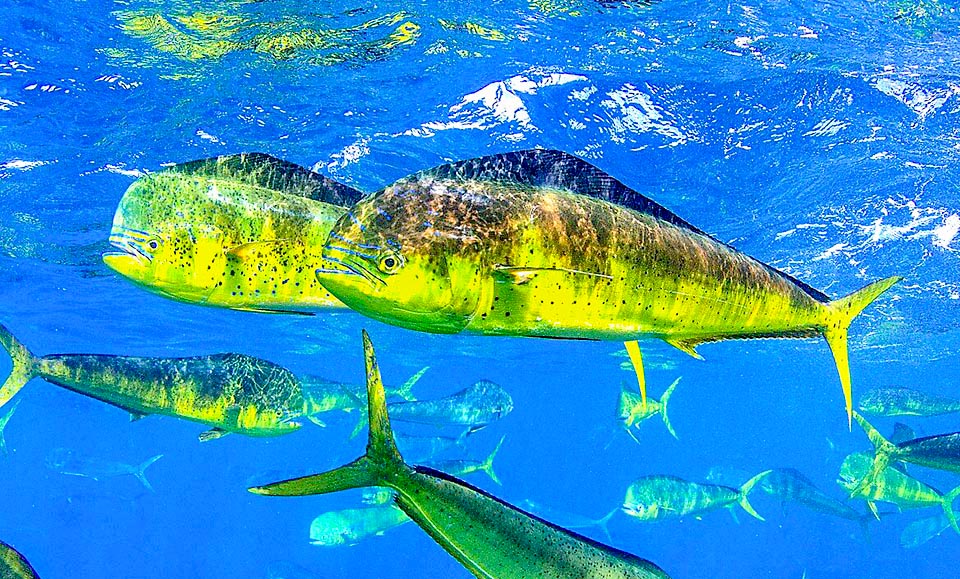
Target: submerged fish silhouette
(489, 537)
(541, 243)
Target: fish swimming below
(790, 485)
(229, 392)
(474, 407)
(244, 232)
(13, 565)
(489, 537)
(892, 486)
(463, 467)
(659, 497)
(351, 526)
(66, 461)
(634, 410)
(906, 402)
(540, 243)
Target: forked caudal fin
(24, 366)
(745, 490)
(883, 452)
(373, 468)
(663, 407)
(948, 508)
(841, 313)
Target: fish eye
(390, 263)
(153, 244)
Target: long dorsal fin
(551, 168)
(262, 170)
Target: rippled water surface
(820, 137)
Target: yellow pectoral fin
(686, 346)
(633, 350)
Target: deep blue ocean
(820, 137)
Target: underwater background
(822, 138)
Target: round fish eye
(390, 263)
(153, 244)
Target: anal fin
(686, 345)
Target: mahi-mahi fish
(68, 462)
(633, 410)
(541, 243)
(893, 486)
(939, 451)
(789, 484)
(242, 231)
(229, 392)
(906, 402)
(13, 565)
(351, 526)
(491, 538)
(659, 497)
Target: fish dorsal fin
(262, 170)
(551, 168)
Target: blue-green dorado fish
(541, 243)
(491, 538)
(570, 520)
(790, 485)
(244, 232)
(464, 466)
(13, 565)
(659, 497)
(474, 407)
(906, 402)
(892, 486)
(633, 410)
(940, 451)
(229, 392)
(350, 526)
(66, 461)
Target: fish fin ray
(745, 490)
(663, 408)
(212, 434)
(24, 365)
(687, 346)
(141, 473)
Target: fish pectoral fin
(873, 509)
(317, 421)
(135, 416)
(687, 346)
(212, 434)
(258, 248)
(522, 274)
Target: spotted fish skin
(230, 392)
(540, 243)
(13, 565)
(241, 231)
(489, 537)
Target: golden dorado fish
(230, 392)
(244, 232)
(540, 243)
(492, 539)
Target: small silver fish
(66, 461)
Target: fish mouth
(632, 510)
(352, 260)
(128, 242)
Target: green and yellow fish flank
(244, 232)
(13, 565)
(540, 243)
(492, 539)
(229, 392)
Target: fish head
(408, 255)
(876, 402)
(854, 468)
(495, 401)
(638, 504)
(329, 529)
(164, 241)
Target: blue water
(822, 138)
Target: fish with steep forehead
(243, 231)
(541, 243)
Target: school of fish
(534, 243)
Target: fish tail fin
(24, 365)
(405, 390)
(841, 313)
(374, 468)
(745, 490)
(142, 471)
(948, 500)
(663, 408)
(3, 424)
(487, 466)
(883, 452)
(603, 521)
